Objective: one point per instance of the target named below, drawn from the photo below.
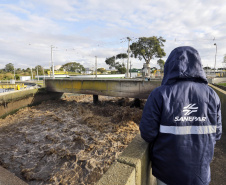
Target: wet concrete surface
(69, 141)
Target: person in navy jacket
(182, 121)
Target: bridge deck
(116, 88)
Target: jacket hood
(183, 63)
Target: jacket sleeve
(219, 121)
(150, 121)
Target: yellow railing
(12, 86)
(58, 72)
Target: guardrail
(12, 86)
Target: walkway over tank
(131, 88)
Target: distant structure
(88, 71)
(25, 78)
(111, 69)
(57, 67)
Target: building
(25, 78)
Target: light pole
(44, 76)
(52, 63)
(215, 58)
(14, 71)
(127, 70)
(37, 73)
(31, 74)
(130, 69)
(95, 66)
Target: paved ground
(218, 165)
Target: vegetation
(206, 68)
(6, 76)
(209, 68)
(147, 48)
(9, 67)
(7, 73)
(161, 63)
(119, 66)
(135, 70)
(73, 67)
(40, 69)
(101, 70)
(222, 84)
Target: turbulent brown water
(68, 141)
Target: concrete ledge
(217, 80)
(118, 174)
(12, 101)
(222, 95)
(136, 157)
(7, 178)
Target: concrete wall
(7, 178)
(14, 100)
(132, 167)
(116, 88)
(222, 94)
(217, 80)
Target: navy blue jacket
(182, 119)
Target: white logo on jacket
(188, 110)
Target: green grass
(222, 84)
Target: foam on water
(68, 141)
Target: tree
(101, 70)
(28, 70)
(135, 70)
(148, 48)
(9, 67)
(221, 68)
(40, 69)
(224, 61)
(73, 67)
(161, 63)
(206, 68)
(19, 70)
(121, 68)
(113, 63)
(121, 56)
(2, 71)
(110, 61)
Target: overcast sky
(79, 30)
